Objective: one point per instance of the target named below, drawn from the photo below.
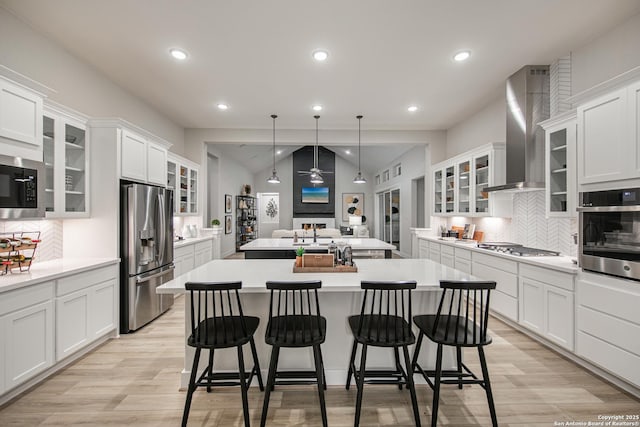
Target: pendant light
(273, 179)
(359, 179)
(316, 178)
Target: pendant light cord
(315, 151)
(359, 119)
(274, 117)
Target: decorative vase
(298, 261)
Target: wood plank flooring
(134, 381)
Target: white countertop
(559, 263)
(191, 240)
(255, 272)
(285, 243)
(51, 270)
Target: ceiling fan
(315, 173)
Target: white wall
(607, 56)
(284, 189)
(75, 83)
(486, 125)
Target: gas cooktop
(516, 249)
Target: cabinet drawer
(505, 305)
(609, 357)
(86, 279)
(614, 331)
(616, 302)
(463, 265)
(20, 298)
(555, 278)
(448, 260)
(496, 262)
(506, 283)
(446, 249)
(462, 253)
(183, 251)
(203, 246)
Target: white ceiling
(255, 55)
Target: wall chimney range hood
(527, 104)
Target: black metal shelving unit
(246, 220)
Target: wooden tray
(336, 269)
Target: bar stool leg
(360, 383)
(320, 377)
(273, 366)
(398, 368)
(436, 388)
(459, 357)
(256, 363)
(416, 352)
(191, 388)
(210, 369)
(324, 377)
(487, 386)
(352, 360)
(243, 387)
(410, 385)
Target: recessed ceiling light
(317, 108)
(412, 109)
(223, 107)
(279, 152)
(320, 55)
(463, 55)
(347, 151)
(178, 54)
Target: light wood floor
(134, 381)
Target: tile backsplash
(528, 226)
(50, 246)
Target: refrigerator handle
(153, 276)
(162, 241)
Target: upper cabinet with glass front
(182, 178)
(460, 182)
(66, 157)
(560, 165)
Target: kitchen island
(285, 248)
(340, 297)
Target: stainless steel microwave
(21, 188)
(610, 232)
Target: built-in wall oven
(21, 188)
(610, 232)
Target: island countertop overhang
(255, 272)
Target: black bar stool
(384, 321)
(295, 321)
(227, 327)
(463, 324)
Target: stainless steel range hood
(527, 105)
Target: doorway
(389, 213)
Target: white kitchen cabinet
(182, 177)
(133, 156)
(27, 321)
(423, 248)
(546, 303)
(66, 157)
(462, 260)
(560, 165)
(156, 164)
(183, 259)
(459, 183)
(608, 144)
(608, 324)
(434, 252)
(203, 253)
(504, 300)
(86, 309)
(20, 121)
(447, 256)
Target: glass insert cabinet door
(193, 191)
(558, 171)
(75, 173)
(49, 150)
(437, 192)
(389, 208)
(464, 182)
(450, 189)
(481, 181)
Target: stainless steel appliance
(516, 249)
(610, 232)
(146, 247)
(527, 95)
(21, 188)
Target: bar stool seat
(296, 331)
(220, 332)
(394, 331)
(437, 331)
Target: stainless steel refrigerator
(146, 251)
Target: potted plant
(215, 223)
(299, 253)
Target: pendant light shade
(359, 179)
(273, 179)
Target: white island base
(340, 297)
